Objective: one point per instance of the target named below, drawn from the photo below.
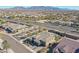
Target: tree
(5, 45)
(44, 29)
(57, 38)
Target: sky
(69, 4)
(68, 7)
(6, 7)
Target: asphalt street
(61, 29)
(15, 46)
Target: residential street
(64, 29)
(15, 46)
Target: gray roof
(69, 45)
(44, 36)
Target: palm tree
(5, 45)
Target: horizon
(63, 7)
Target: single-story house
(67, 45)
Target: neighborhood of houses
(37, 38)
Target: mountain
(43, 8)
(19, 8)
(38, 8)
